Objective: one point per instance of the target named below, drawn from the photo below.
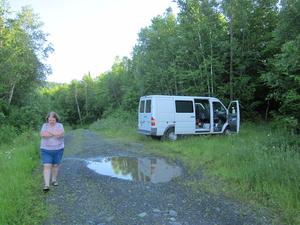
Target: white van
(166, 117)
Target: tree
(154, 54)
(202, 34)
(283, 74)
(24, 46)
(89, 108)
(250, 25)
(74, 88)
(130, 88)
(109, 89)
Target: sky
(88, 35)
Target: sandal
(55, 183)
(46, 188)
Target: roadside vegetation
(20, 182)
(260, 166)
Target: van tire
(170, 135)
(227, 132)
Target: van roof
(178, 97)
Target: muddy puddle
(154, 170)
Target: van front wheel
(227, 132)
(170, 135)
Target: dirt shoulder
(86, 197)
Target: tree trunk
(86, 101)
(231, 58)
(211, 66)
(205, 65)
(267, 110)
(115, 95)
(11, 92)
(0, 36)
(78, 109)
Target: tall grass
(118, 124)
(20, 188)
(259, 165)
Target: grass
(19, 181)
(260, 165)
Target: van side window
(142, 106)
(148, 106)
(184, 106)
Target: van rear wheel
(170, 135)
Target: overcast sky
(88, 35)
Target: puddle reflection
(152, 170)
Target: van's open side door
(234, 116)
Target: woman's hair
(53, 115)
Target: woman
(52, 148)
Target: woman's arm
(58, 133)
(46, 134)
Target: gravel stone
(142, 214)
(173, 213)
(86, 197)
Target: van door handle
(192, 116)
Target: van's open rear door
(234, 116)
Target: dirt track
(86, 197)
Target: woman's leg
(56, 161)
(47, 174)
(55, 168)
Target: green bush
(7, 134)
(24, 118)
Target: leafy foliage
(282, 74)
(23, 46)
(244, 50)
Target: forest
(230, 49)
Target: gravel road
(86, 197)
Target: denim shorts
(52, 156)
